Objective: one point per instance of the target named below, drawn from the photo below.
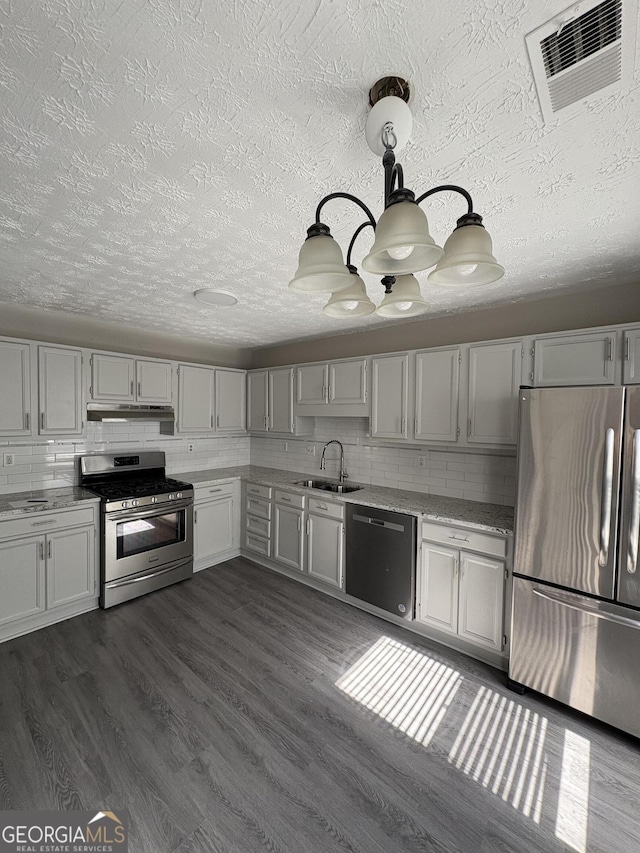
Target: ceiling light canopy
(402, 244)
(218, 298)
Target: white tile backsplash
(478, 476)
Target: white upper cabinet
(631, 369)
(333, 388)
(258, 400)
(112, 378)
(389, 396)
(281, 400)
(154, 381)
(60, 391)
(575, 359)
(437, 381)
(122, 379)
(231, 395)
(195, 398)
(495, 372)
(312, 380)
(347, 382)
(15, 389)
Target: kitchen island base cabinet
(46, 577)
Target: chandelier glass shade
(403, 244)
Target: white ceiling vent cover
(583, 51)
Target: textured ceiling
(152, 147)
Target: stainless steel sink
(328, 486)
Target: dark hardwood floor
(241, 711)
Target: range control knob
(172, 497)
(135, 503)
(179, 495)
(154, 500)
(125, 504)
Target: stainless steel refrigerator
(575, 632)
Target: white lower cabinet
(461, 592)
(45, 577)
(325, 542)
(216, 527)
(289, 530)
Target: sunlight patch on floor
(407, 688)
(501, 746)
(573, 798)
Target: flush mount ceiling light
(402, 244)
(217, 298)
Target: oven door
(138, 540)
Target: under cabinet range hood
(119, 412)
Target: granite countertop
(51, 498)
(494, 518)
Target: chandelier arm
(349, 197)
(353, 239)
(452, 188)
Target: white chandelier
(403, 244)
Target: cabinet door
(213, 528)
(60, 390)
(575, 360)
(312, 381)
(195, 399)
(631, 370)
(288, 546)
(22, 580)
(231, 401)
(389, 386)
(437, 380)
(71, 566)
(258, 401)
(481, 598)
(437, 598)
(348, 382)
(495, 372)
(154, 380)
(281, 400)
(112, 377)
(15, 389)
(325, 549)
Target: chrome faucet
(343, 474)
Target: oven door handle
(133, 513)
(128, 581)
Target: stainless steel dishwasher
(380, 565)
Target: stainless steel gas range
(147, 523)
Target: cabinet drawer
(290, 499)
(43, 522)
(259, 526)
(258, 491)
(258, 544)
(326, 508)
(216, 490)
(458, 537)
(259, 507)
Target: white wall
(51, 464)
(477, 476)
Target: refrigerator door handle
(634, 514)
(607, 496)
(582, 607)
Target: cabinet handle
(308, 527)
(49, 549)
(42, 523)
(41, 420)
(469, 428)
(459, 538)
(627, 351)
(26, 420)
(415, 426)
(299, 522)
(402, 425)
(217, 421)
(132, 387)
(211, 491)
(456, 565)
(211, 419)
(609, 349)
(42, 550)
(139, 388)
(329, 390)
(322, 506)
(195, 517)
(285, 498)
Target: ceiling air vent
(583, 51)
